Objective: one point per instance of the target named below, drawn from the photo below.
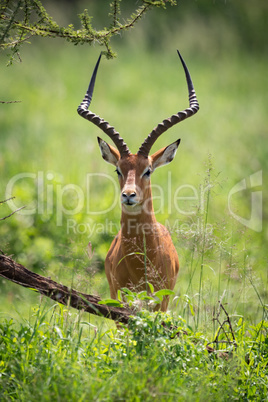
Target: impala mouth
(131, 203)
(131, 208)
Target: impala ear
(109, 153)
(164, 155)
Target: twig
(221, 328)
(10, 101)
(12, 213)
(8, 199)
(130, 23)
(229, 322)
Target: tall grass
(57, 355)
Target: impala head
(134, 170)
(134, 173)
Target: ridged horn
(175, 118)
(98, 121)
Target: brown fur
(140, 236)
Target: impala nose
(128, 197)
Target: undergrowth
(56, 355)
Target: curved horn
(101, 123)
(175, 118)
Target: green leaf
(128, 292)
(191, 309)
(111, 303)
(151, 287)
(142, 293)
(164, 292)
(119, 295)
(146, 297)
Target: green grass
(51, 353)
(55, 355)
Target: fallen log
(17, 273)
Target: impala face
(134, 174)
(134, 179)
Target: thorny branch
(19, 21)
(131, 23)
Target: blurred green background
(224, 44)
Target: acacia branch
(130, 23)
(22, 20)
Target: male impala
(143, 250)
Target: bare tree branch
(17, 273)
(11, 198)
(12, 213)
(10, 101)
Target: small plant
(139, 300)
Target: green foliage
(24, 19)
(57, 355)
(143, 299)
(138, 300)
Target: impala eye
(147, 173)
(118, 173)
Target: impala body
(142, 251)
